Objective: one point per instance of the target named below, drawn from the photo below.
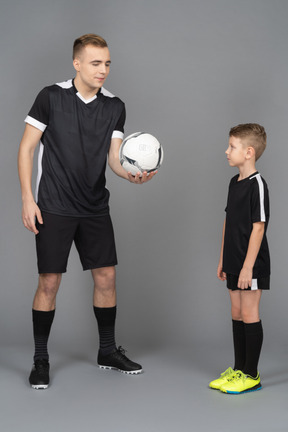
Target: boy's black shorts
(93, 237)
(257, 284)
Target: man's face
(236, 152)
(92, 66)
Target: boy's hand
(245, 278)
(140, 180)
(220, 274)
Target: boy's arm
(245, 277)
(115, 165)
(220, 274)
(30, 210)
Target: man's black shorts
(93, 237)
(257, 284)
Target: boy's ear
(250, 152)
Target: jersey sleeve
(38, 115)
(259, 201)
(119, 128)
(228, 193)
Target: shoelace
(238, 375)
(228, 371)
(121, 351)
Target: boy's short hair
(254, 135)
(88, 39)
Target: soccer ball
(140, 152)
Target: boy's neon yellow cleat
(216, 384)
(241, 383)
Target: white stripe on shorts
(254, 285)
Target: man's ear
(76, 64)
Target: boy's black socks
(42, 322)
(254, 340)
(106, 318)
(239, 342)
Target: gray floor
(171, 395)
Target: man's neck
(86, 92)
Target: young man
(244, 259)
(78, 123)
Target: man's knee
(104, 278)
(49, 283)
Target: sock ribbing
(239, 343)
(42, 322)
(254, 340)
(106, 318)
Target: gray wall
(188, 71)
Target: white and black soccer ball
(141, 152)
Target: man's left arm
(256, 237)
(115, 165)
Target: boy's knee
(249, 318)
(236, 314)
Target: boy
(244, 259)
(78, 123)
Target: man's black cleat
(39, 376)
(118, 361)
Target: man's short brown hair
(254, 135)
(88, 39)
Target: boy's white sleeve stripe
(261, 193)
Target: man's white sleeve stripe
(65, 84)
(106, 93)
(118, 134)
(35, 123)
(39, 173)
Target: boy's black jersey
(73, 149)
(248, 202)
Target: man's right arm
(30, 210)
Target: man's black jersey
(248, 202)
(73, 149)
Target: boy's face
(236, 152)
(92, 66)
